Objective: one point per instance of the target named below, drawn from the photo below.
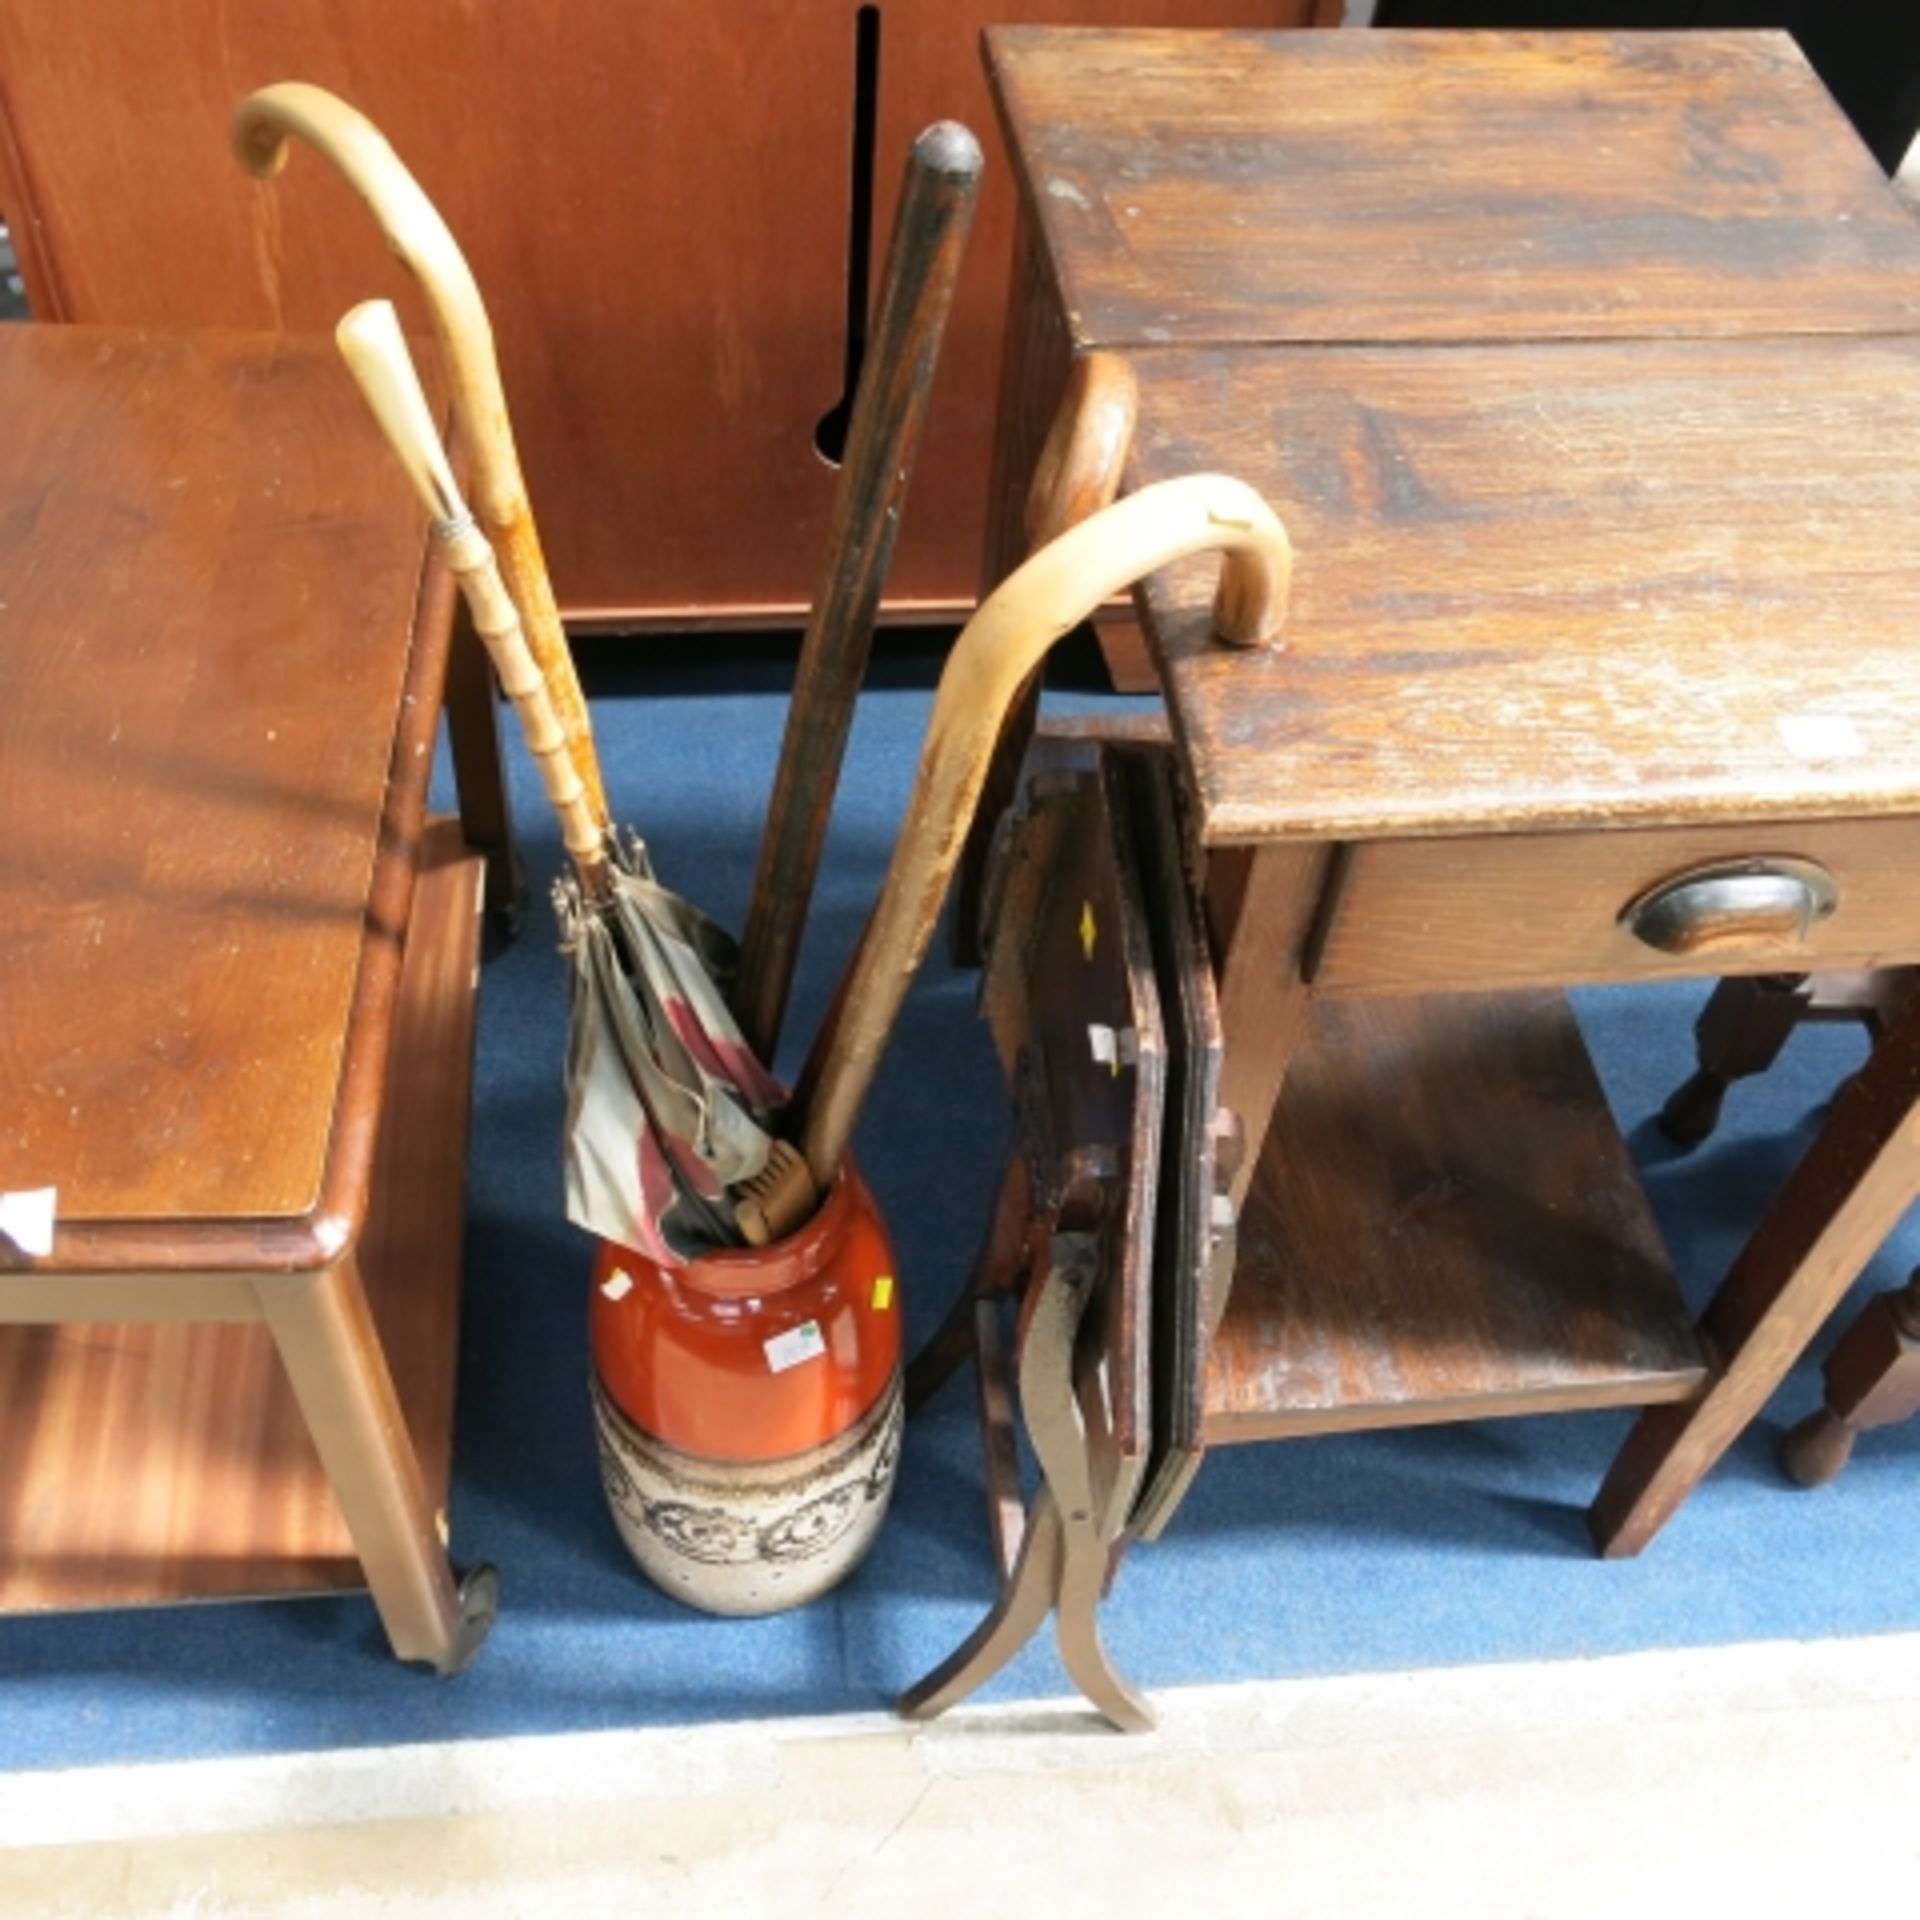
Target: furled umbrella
(668, 1108)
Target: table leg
(1034, 359)
(1063, 1558)
(1261, 904)
(1059, 1436)
(1872, 1380)
(331, 1349)
(479, 770)
(1844, 1198)
(1739, 1034)
(1023, 1604)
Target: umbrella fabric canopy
(667, 1107)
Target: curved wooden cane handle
(261, 127)
(375, 351)
(1003, 643)
(1085, 452)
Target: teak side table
(1585, 372)
(236, 988)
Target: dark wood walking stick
(923, 261)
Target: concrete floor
(1759, 1780)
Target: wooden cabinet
(657, 196)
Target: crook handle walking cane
(262, 124)
(1017, 624)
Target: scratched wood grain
(209, 569)
(1206, 187)
(1556, 585)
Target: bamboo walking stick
(890, 408)
(1002, 644)
(415, 231)
(376, 353)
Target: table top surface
(1584, 371)
(1195, 187)
(1549, 586)
(210, 570)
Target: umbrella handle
(1002, 644)
(376, 354)
(413, 228)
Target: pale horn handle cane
(376, 353)
(425, 245)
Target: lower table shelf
(1445, 1225)
(145, 1464)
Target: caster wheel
(479, 1605)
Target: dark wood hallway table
(1584, 371)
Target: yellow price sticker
(883, 1293)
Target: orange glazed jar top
(756, 1353)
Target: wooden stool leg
(1740, 1032)
(1873, 1380)
(331, 1349)
(479, 770)
(1844, 1198)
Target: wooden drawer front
(1534, 909)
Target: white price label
(26, 1218)
(797, 1344)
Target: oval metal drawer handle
(1756, 904)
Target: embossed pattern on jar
(756, 1536)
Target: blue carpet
(1376, 1552)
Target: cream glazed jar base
(750, 1537)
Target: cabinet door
(654, 194)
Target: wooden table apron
(226, 663)
(1583, 371)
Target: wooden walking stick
(1002, 644)
(376, 353)
(923, 261)
(415, 231)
